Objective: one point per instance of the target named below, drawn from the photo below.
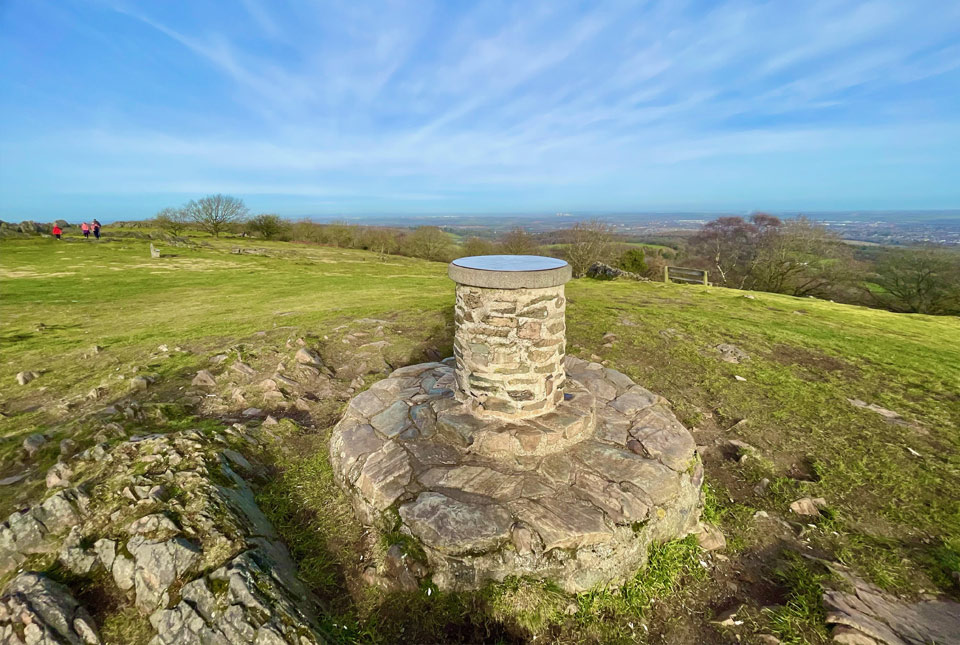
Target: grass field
(893, 510)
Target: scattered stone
(25, 377)
(270, 421)
(731, 353)
(728, 618)
(13, 479)
(252, 412)
(709, 537)
(808, 506)
(204, 379)
(59, 476)
(761, 486)
(139, 383)
(33, 442)
(306, 356)
(243, 368)
(609, 337)
(219, 358)
(739, 378)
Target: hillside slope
(105, 324)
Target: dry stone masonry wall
(509, 347)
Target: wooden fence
(683, 274)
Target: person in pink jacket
(86, 230)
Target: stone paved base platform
(576, 496)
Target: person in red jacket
(57, 232)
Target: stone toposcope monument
(511, 458)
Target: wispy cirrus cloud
(621, 105)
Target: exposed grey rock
(58, 476)
(306, 356)
(67, 448)
(204, 379)
(731, 353)
(106, 551)
(153, 524)
(238, 460)
(74, 557)
(35, 530)
(867, 614)
(457, 527)
(157, 565)
(25, 377)
(45, 612)
(33, 442)
(601, 271)
(393, 420)
(243, 368)
(13, 479)
(123, 572)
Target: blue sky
(317, 108)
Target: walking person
(96, 229)
(57, 232)
(86, 230)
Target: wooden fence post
(666, 273)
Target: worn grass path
(893, 511)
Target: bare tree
(379, 240)
(800, 258)
(172, 220)
(726, 245)
(428, 242)
(341, 234)
(590, 242)
(478, 246)
(215, 213)
(266, 225)
(519, 242)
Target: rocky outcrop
(168, 521)
(35, 610)
(867, 615)
(601, 271)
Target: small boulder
(243, 368)
(33, 443)
(808, 506)
(25, 377)
(731, 353)
(204, 379)
(306, 356)
(709, 537)
(59, 475)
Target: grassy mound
(86, 314)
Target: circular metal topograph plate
(509, 271)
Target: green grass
(894, 517)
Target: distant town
(867, 227)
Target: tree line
(797, 257)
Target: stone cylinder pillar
(510, 337)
